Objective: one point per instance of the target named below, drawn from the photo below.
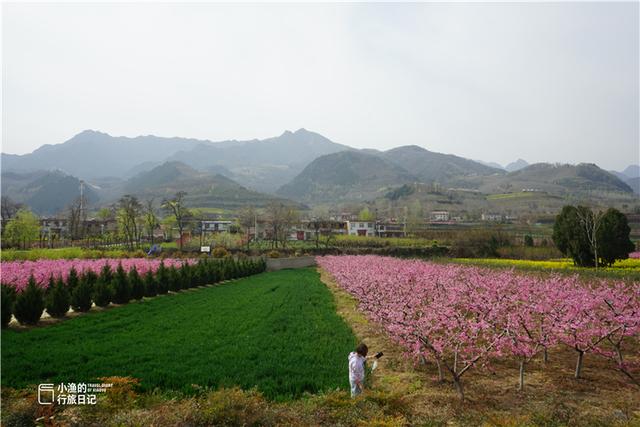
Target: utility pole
(81, 197)
(255, 226)
(405, 222)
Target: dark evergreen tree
(106, 273)
(162, 279)
(58, 299)
(29, 303)
(570, 236)
(185, 276)
(137, 286)
(150, 285)
(90, 278)
(613, 237)
(102, 293)
(528, 240)
(81, 294)
(121, 288)
(72, 279)
(8, 299)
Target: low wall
(274, 264)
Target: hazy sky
(495, 81)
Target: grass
(519, 195)
(62, 253)
(277, 331)
(379, 242)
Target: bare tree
(77, 219)
(291, 217)
(591, 223)
(151, 221)
(129, 209)
(280, 218)
(275, 218)
(176, 206)
(248, 217)
(9, 208)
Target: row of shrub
(80, 292)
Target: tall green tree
(592, 239)
(22, 229)
(570, 238)
(181, 213)
(365, 215)
(151, 221)
(129, 209)
(613, 237)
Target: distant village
(344, 223)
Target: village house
(439, 216)
(492, 217)
(361, 228)
(50, 227)
(391, 229)
(215, 226)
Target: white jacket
(356, 367)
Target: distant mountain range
(49, 192)
(347, 175)
(45, 192)
(203, 189)
(367, 175)
(264, 165)
(302, 165)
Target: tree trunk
(458, 384)
(545, 356)
(455, 361)
(521, 382)
(579, 364)
(440, 374)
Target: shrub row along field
(460, 316)
(277, 331)
(80, 292)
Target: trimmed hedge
(81, 292)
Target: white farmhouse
(439, 216)
(493, 217)
(361, 228)
(216, 226)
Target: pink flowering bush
(16, 273)
(634, 255)
(460, 315)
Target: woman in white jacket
(357, 361)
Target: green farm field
(276, 331)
